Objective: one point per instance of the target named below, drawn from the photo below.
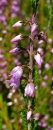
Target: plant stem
(31, 72)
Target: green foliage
(23, 117)
(34, 4)
(36, 75)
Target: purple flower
(17, 72)
(18, 24)
(17, 38)
(50, 128)
(38, 59)
(15, 50)
(29, 113)
(14, 82)
(29, 90)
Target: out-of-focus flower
(40, 42)
(17, 24)
(38, 59)
(45, 77)
(9, 104)
(47, 65)
(42, 124)
(29, 113)
(40, 50)
(17, 38)
(52, 50)
(50, 128)
(36, 116)
(29, 90)
(15, 50)
(43, 84)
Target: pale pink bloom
(36, 116)
(52, 50)
(43, 84)
(40, 51)
(50, 40)
(47, 65)
(9, 104)
(29, 90)
(38, 59)
(40, 42)
(29, 113)
(18, 24)
(17, 38)
(45, 77)
(34, 27)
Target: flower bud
(29, 113)
(17, 24)
(15, 50)
(38, 59)
(17, 38)
(34, 27)
(29, 90)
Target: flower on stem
(38, 59)
(15, 50)
(29, 90)
(18, 24)
(29, 113)
(17, 38)
(34, 27)
(16, 74)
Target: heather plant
(26, 97)
(30, 84)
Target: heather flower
(50, 128)
(29, 113)
(29, 90)
(40, 42)
(34, 27)
(15, 50)
(18, 24)
(36, 116)
(17, 38)
(42, 124)
(38, 59)
(40, 50)
(17, 72)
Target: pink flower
(18, 24)
(17, 38)
(40, 42)
(15, 50)
(36, 116)
(34, 27)
(38, 59)
(29, 113)
(29, 90)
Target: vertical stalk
(31, 71)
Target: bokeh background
(12, 103)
